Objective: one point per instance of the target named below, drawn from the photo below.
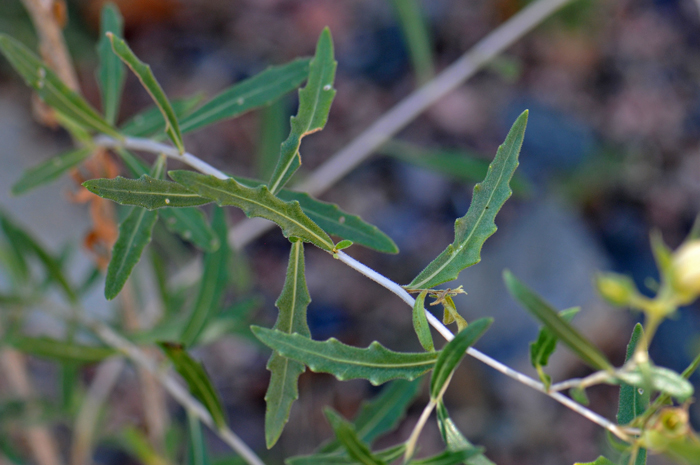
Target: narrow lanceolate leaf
(388, 455)
(452, 354)
(212, 285)
(314, 104)
(454, 439)
(259, 90)
(145, 192)
(50, 88)
(62, 351)
(541, 310)
(382, 414)
(346, 435)
(448, 457)
(420, 323)
(472, 230)
(145, 75)
(197, 380)
(335, 221)
(284, 373)
(151, 122)
(416, 36)
(49, 170)
(256, 202)
(111, 73)
(197, 453)
(375, 363)
(631, 403)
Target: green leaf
(344, 244)
(314, 104)
(145, 192)
(556, 324)
(284, 373)
(454, 439)
(256, 202)
(472, 230)
(197, 453)
(451, 314)
(375, 363)
(261, 89)
(51, 169)
(631, 403)
(415, 32)
(151, 122)
(599, 461)
(274, 126)
(61, 351)
(212, 285)
(388, 455)
(452, 354)
(448, 457)
(51, 89)
(197, 380)
(546, 343)
(356, 449)
(578, 393)
(145, 75)
(383, 413)
(111, 74)
(661, 379)
(420, 323)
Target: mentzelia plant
(648, 419)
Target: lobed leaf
(61, 351)
(197, 380)
(150, 122)
(420, 323)
(454, 439)
(51, 169)
(256, 202)
(111, 73)
(282, 390)
(472, 230)
(315, 101)
(375, 363)
(355, 448)
(212, 285)
(452, 354)
(51, 89)
(259, 90)
(145, 75)
(541, 310)
(145, 192)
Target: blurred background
(610, 154)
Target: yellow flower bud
(686, 270)
(615, 288)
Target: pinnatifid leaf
(452, 354)
(315, 101)
(61, 351)
(261, 89)
(197, 380)
(212, 285)
(149, 82)
(541, 310)
(51, 89)
(111, 73)
(256, 202)
(454, 439)
(346, 435)
(49, 170)
(282, 390)
(420, 323)
(375, 363)
(150, 122)
(145, 192)
(472, 230)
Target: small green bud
(617, 289)
(666, 427)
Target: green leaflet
(256, 202)
(452, 354)
(388, 455)
(61, 351)
(145, 75)
(417, 38)
(448, 457)
(111, 73)
(556, 324)
(383, 413)
(420, 323)
(314, 104)
(546, 343)
(50, 88)
(212, 284)
(47, 171)
(375, 363)
(256, 91)
(355, 448)
(197, 453)
(454, 439)
(282, 390)
(145, 192)
(150, 122)
(472, 230)
(197, 380)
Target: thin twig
(622, 433)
